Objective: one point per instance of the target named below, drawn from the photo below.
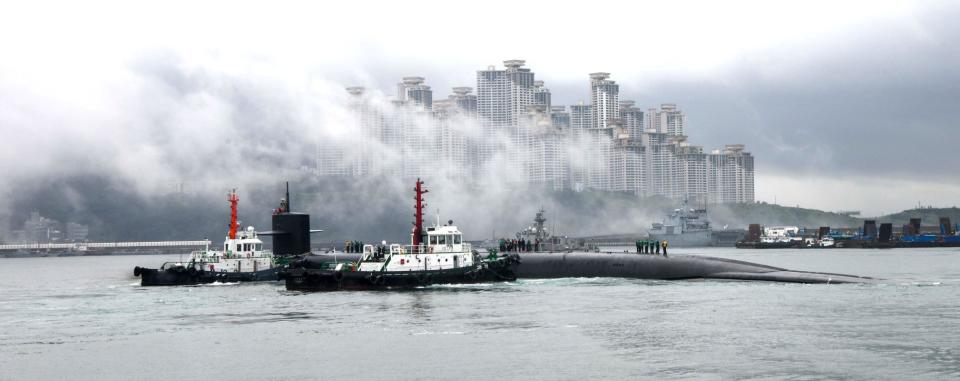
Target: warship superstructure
(684, 227)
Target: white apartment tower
(605, 109)
(605, 99)
(541, 95)
(668, 120)
(413, 91)
(544, 157)
(464, 100)
(521, 89)
(730, 175)
(632, 119)
(581, 119)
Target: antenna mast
(286, 207)
(232, 197)
(418, 215)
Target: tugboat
(242, 259)
(436, 255)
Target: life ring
(338, 276)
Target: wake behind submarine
(438, 255)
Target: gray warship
(684, 227)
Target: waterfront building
(730, 175)
(581, 120)
(604, 99)
(560, 117)
(544, 156)
(541, 95)
(632, 119)
(452, 144)
(464, 100)
(413, 91)
(668, 119)
(605, 117)
(627, 161)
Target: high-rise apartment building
(464, 100)
(541, 95)
(604, 99)
(560, 117)
(668, 119)
(730, 175)
(413, 91)
(632, 119)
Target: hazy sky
(845, 104)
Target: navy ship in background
(684, 227)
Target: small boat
(436, 255)
(242, 259)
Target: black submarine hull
(674, 267)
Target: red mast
(232, 197)
(418, 223)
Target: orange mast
(418, 215)
(232, 197)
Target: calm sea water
(86, 318)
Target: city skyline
(850, 106)
(606, 145)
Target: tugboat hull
(339, 280)
(183, 277)
(301, 278)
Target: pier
(99, 248)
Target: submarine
(675, 267)
(375, 267)
(551, 265)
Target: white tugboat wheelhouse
(443, 249)
(244, 253)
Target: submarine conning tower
(290, 231)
